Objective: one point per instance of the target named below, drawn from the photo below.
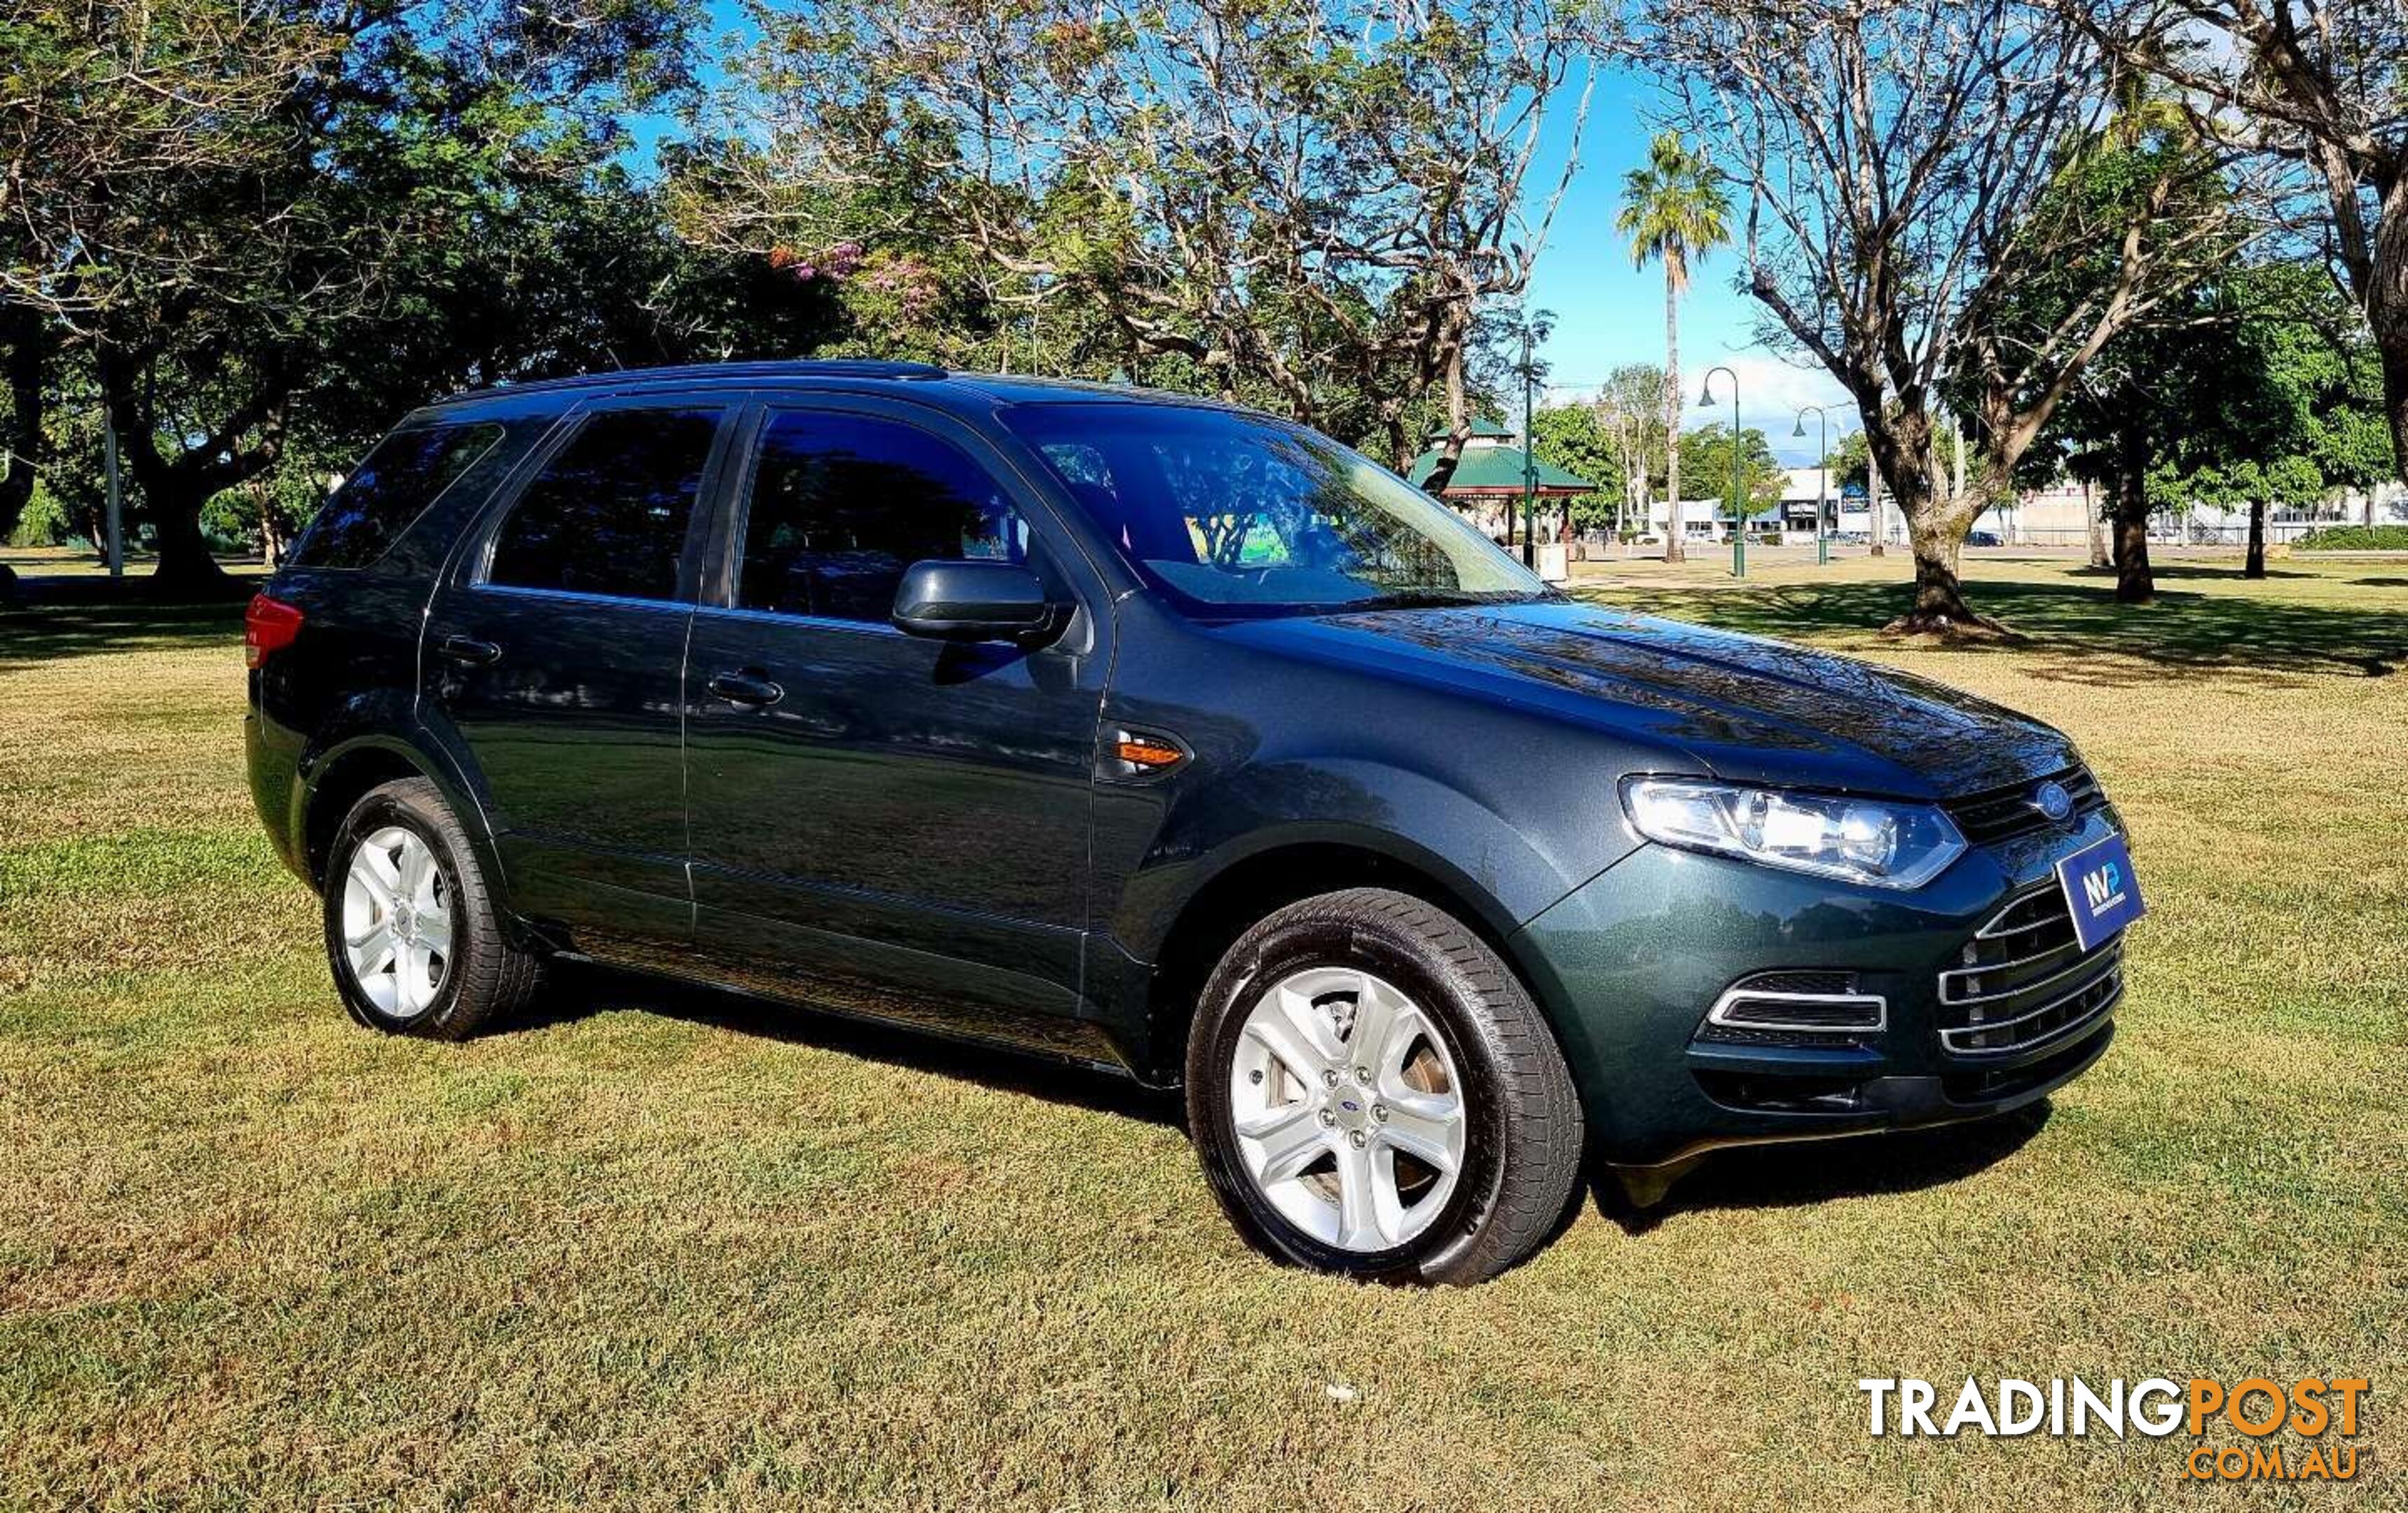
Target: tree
(1573, 437)
(2259, 396)
(100, 103)
(1674, 212)
(329, 229)
(2319, 83)
(1706, 462)
(1306, 206)
(1630, 412)
(1902, 161)
(1851, 464)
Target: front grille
(2023, 979)
(2003, 813)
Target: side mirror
(972, 601)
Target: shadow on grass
(1753, 1177)
(2206, 573)
(2075, 632)
(1807, 1172)
(48, 634)
(580, 989)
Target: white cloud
(1772, 392)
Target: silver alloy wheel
(397, 922)
(1349, 1115)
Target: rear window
(608, 514)
(391, 487)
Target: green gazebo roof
(1496, 470)
(1495, 430)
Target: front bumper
(1628, 964)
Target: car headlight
(1875, 841)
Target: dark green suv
(1176, 740)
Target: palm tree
(1673, 211)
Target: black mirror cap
(974, 601)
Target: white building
(2060, 515)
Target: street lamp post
(116, 495)
(1530, 455)
(1739, 510)
(1822, 485)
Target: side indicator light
(1148, 753)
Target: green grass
(670, 1250)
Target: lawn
(671, 1250)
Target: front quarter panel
(1511, 808)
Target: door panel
(557, 651)
(903, 831)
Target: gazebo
(1488, 480)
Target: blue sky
(1608, 313)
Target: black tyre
(411, 934)
(1373, 1094)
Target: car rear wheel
(412, 933)
(1373, 1094)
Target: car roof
(925, 381)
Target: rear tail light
(268, 626)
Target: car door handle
(746, 688)
(470, 649)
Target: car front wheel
(1373, 1094)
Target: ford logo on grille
(2052, 800)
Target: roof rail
(829, 367)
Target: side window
(392, 486)
(609, 513)
(842, 503)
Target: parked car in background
(1983, 538)
(1158, 737)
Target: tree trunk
(1873, 508)
(2255, 566)
(271, 525)
(2099, 557)
(2135, 583)
(1641, 500)
(2387, 313)
(1458, 429)
(1901, 448)
(185, 567)
(90, 521)
(2393, 350)
(1675, 547)
(1935, 535)
(27, 348)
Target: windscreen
(1234, 514)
